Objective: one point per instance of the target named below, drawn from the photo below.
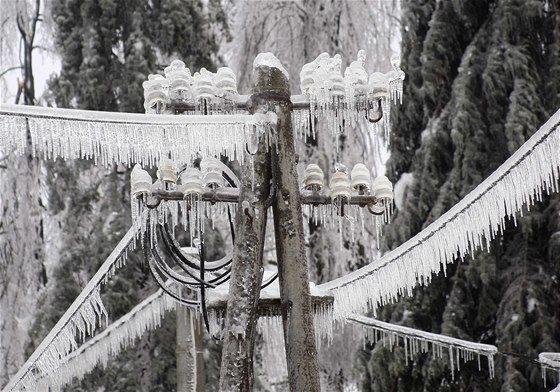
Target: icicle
(474, 221)
(125, 138)
(412, 338)
(549, 361)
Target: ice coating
(346, 101)
(269, 60)
(81, 320)
(471, 224)
(550, 361)
(126, 138)
(416, 341)
(144, 317)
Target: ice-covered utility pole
(238, 340)
(270, 181)
(297, 313)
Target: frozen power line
(81, 319)
(469, 225)
(128, 138)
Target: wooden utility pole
(295, 298)
(189, 350)
(236, 372)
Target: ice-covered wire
(74, 319)
(127, 138)
(469, 225)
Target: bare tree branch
(10, 69)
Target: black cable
(202, 288)
(269, 281)
(158, 279)
(174, 247)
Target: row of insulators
(341, 185)
(191, 181)
(178, 84)
(324, 74)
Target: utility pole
(189, 350)
(269, 179)
(238, 341)
(271, 90)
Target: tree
(107, 50)
(479, 82)
(23, 194)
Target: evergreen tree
(480, 79)
(107, 50)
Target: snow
(416, 340)
(468, 226)
(400, 188)
(269, 60)
(127, 138)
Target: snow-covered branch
(81, 319)
(416, 340)
(109, 137)
(469, 225)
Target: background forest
(481, 77)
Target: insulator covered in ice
(340, 186)
(337, 88)
(378, 85)
(313, 177)
(361, 178)
(204, 85)
(155, 93)
(140, 181)
(306, 77)
(213, 176)
(191, 182)
(226, 80)
(355, 74)
(382, 188)
(339, 167)
(166, 171)
(180, 81)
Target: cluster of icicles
(341, 190)
(144, 317)
(81, 320)
(416, 341)
(550, 361)
(202, 93)
(345, 100)
(109, 138)
(188, 212)
(470, 225)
